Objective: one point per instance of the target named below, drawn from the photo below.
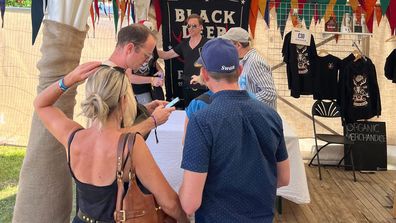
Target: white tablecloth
(168, 154)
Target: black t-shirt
(390, 66)
(326, 77)
(147, 69)
(190, 56)
(300, 61)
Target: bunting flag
(96, 5)
(308, 14)
(267, 14)
(123, 4)
(378, 14)
(368, 7)
(91, 11)
(37, 15)
(282, 13)
(321, 9)
(354, 4)
(262, 4)
(301, 4)
(133, 15)
(330, 10)
(2, 11)
(253, 12)
(391, 15)
(294, 4)
(316, 13)
(128, 13)
(384, 5)
(116, 15)
(158, 15)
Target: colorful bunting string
(158, 15)
(378, 14)
(384, 5)
(37, 15)
(282, 15)
(115, 14)
(92, 13)
(391, 15)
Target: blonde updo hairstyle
(102, 91)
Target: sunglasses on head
(193, 26)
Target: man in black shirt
(189, 49)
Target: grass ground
(10, 164)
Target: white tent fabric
(69, 12)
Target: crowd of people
(234, 154)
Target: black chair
(329, 109)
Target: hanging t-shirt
(390, 66)
(326, 77)
(300, 61)
(190, 56)
(360, 98)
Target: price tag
(301, 37)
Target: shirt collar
(247, 55)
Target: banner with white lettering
(218, 16)
(369, 148)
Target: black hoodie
(360, 97)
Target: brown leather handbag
(134, 206)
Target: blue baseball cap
(218, 55)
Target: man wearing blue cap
(234, 153)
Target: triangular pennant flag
(354, 4)
(391, 15)
(128, 12)
(158, 15)
(316, 13)
(301, 4)
(133, 15)
(123, 10)
(282, 15)
(104, 7)
(378, 14)
(96, 5)
(322, 6)
(253, 12)
(116, 15)
(294, 4)
(330, 10)
(308, 13)
(2, 11)
(262, 4)
(267, 14)
(91, 11)
(384, 5)
(37, 15)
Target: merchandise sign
(218, 16)
(369, 148)
(301, 37)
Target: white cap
(237, 34)
(147, 24)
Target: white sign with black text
(301, 37)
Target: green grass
(10, 164)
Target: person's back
(244, 135)
(90, 158)
(234, 153)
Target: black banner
(218, 16)
(369, 148)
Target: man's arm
(261, 77)
(283, 169)
(191, 191)
(166, 55)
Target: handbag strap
(120, 174)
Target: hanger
(358, 53)
(323, 52)
(391, 39)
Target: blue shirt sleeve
(196, 152)
(194, 106)
(281, 152)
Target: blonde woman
(91, 152)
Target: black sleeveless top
(96, 201)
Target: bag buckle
(123, 216)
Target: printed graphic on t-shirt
(331, 66)
(360, 91)
(144, 69)
(302, 59)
